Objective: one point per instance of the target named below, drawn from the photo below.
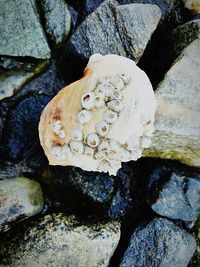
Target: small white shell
(104, 166)
(145, 142)
(115, 105)
(56, 126)
(149, 130)
(117, 82)
(76, 135)
(102, 128)
(99, 101)
(62, 134)
(125, 155)
(115, 164)
(136, 154)
(66, 151)
(84, 116)
(87, 100)
(104, 90)
(103, 145)
(110, 116)
(92, 140)
(56, 151)
(76, 147)
(89, 151)
(113, 149)
(133, 143)
(61, 152)
(125, 77)
(100, 155)
(116, 95)
(103, 80)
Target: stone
(58, 240)
(20, 198)
(57, 20)
(177, 122)
(21, 33)
(175, 193)
(119, 32)
(195, 261)
(11, 81)
(159, 243)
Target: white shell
(76, 147)
(99, 101)
(66, 151)
(56, 151)
(117, 82)
(89, 151)
(61, 152)
(110, 116)
(62, 134)
(92, 140)
(87, 100)
(149, 130)
(125, 155)
(116, 95)
(133, 143)
(57, 126)
(103, 80)
(84, 116)
(76, 135)
(102, 128)
(136, 154)
(103, 145)
(103, 166)
(125, 77)
(113, 149)
(145, 142)
(115, 105)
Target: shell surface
(101, 120)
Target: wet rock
(20, 131)
(195, 261)
(160, 243)
(58, 240)
(13, 80)
(57, 20)
(177, 121)
(175, 194)
(20, 198)
(21, 33)
(110, 23)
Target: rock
(193, 6)
(195, 262)
(159, 243)
(136, 23)
(13, 80)
(57, 20)
(20, 198)
(177, 121)
(175, 194)
(109, 22)
(58, 240)
(21, 33)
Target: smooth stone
(58, 240)
(109, 22)
(175, 193)
(159, 243)
(177, 123)
(21, 33)
(20, 198)
(57, 20)
(12, 81)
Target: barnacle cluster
(102, 119)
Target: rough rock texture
(20, 36)
(57, 20)
(20, 198)
(12, 81)
(160, 243)
(57, 240)
(122, 27)
(175, 194)
(177, 122)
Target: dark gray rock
(20, 198)
(115, 29)
(20, 31)
(175, 194)
(57, 20)
(160, 243)
(58, 240)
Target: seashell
(62, 134)
(75, 108)
(110, 116)
(102, 128)
(92, 140)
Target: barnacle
(101, 120)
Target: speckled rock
(20, 36)
(160, 243)
(125, 29)
(177, 121)
(58, 240)
(57, 20)
(20, 198)
(175, 194)
(11, 81)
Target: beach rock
(20, 198)
(20, 31)
(159, 243)
(58, 240)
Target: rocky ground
(146, 215)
